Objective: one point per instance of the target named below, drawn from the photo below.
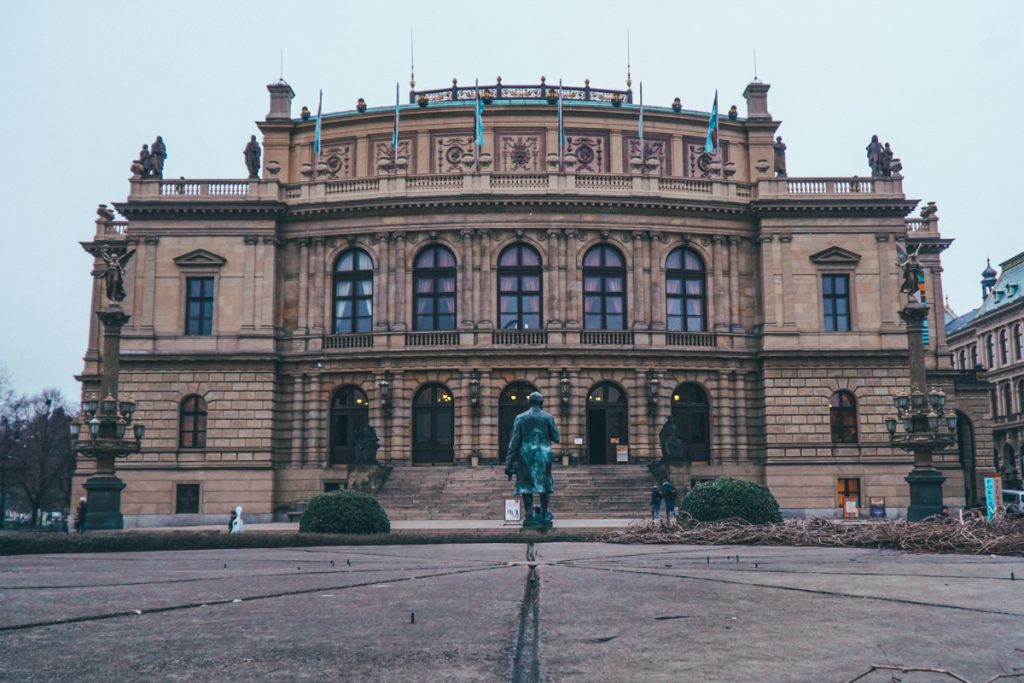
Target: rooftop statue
(158, 155)
(780, 157)
(252, 158)
(113, 273)
(875, 151)
(529, 458)
(887, 156)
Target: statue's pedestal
(104, 503)
(925, 494)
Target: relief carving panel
(382, 150)
(590, 150)
(520, 152)
(448, 151)
(340, 159)
(655, 147)
(697, 162)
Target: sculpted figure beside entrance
(529, 458)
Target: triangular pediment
(835, 256)
(200, 258)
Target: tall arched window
(1020, 395)
(1004, 347)
(350, 412)
(353, 293)
(513, 400)
(433, 275)
(684, 291)
(433, 425)
(519, 288)
(192, 421)
(604, 289)
(691, 413)
(1007, 399)
(607, 423)
(990, 351)
(963, 360)
(1018, 341)
(843, 417)
(974, 356)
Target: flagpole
(394, 136)
(561, 131)
(478, 118)
(642, 151)
(316, 135)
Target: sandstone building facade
(426, 290)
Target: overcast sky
(85, 84)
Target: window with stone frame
(847, 489)
(199, 306)
(353, 293)
(1007, 399)
(1020, 395)
(192, 423)
(835, 296)
(963, 360)
(843, 417)
(990, 351)
(685, 293)
(994, 398)
(434, 282)
(1004, 347)
(1018, 342)
(604, 289)
(520, 298)
(974, 356)
(186, 499)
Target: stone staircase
(604, 491)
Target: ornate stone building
(988, 343)
(426, 290)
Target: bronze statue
(875, 150)
(252, 158)
(671, 439)
(780, 158)
(913, 271)
(113, 273)
(366, 445)
(157, 157)
(529, 458)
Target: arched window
(974, 356)
(512, 401)
(192, 421)
(691, 413)
(990, 351)
(350, 412)
(607, 423)
(1007, 399)
(1018, 341)
(963, 360)
(604, 289)
(1004, 347)
(519, 288)
(353, 293)
(433, 276)
(684, 291)
(843, 417)
(433, 425)
(1020, 395)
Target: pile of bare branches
(936, 535)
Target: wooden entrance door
(513, 401)
(349, 413)
(607, 423)
(433, 426)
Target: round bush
(729, 498)
(345, 512)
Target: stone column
(383, 283)
(721, 294)
(656, 278)
(401, 282)
(314, 453)
(735, 323)
(303, 299)
(249, 282)
(298, 412)
(552, 304)
(639, 300)
(316, 290)
(269, 291)
(937, 321)
(484, 316)
(571, 304)
(468, 290)
(148, 293)
(786, 302)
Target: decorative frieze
(448, 151)
(655, 148)
(520, 152)
(590, 150)
(339, 159)
(699, 164)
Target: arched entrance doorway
(965, 444)
(513, 400)
(433, 426)
(607, 423)
(349, 413)
(692, 414)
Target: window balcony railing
(348, 341)
(705, 339)
(519, 338)
(432, 339)
(606, 338)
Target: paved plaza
(583, 612)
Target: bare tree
(43, 462)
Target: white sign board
(512, 513)
(621, 453)
(850, 508)
(578, 441)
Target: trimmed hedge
(344, 512)
(728, 498)
(30, 543)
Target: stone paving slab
(592, 612)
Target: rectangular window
(334, 486)
(847, 488)
(186, 500)
(835, 291)
(199, 306)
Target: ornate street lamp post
(106, 415)
(926, 426)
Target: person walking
(80, 512)
(670, 494)
(656, 497)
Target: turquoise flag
(316, 136)
(711, 144)
(478, 132)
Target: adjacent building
(424, 288)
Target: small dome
(989, 273)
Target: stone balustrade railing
(402, 185)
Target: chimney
(756, 94)
(281, 95)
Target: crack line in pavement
(228, 601)
(814, 591)
(526, 657)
